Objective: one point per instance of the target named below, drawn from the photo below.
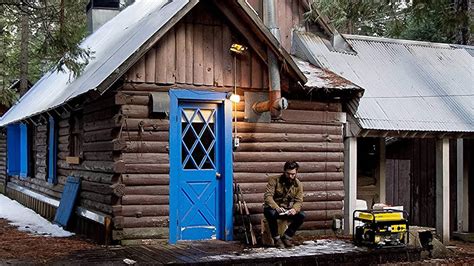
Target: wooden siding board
(181, 53)
(208, 54)
(228, 61)
(171, 57)
(189, 53)
(150, 64)
(198, 55)
(218, 56)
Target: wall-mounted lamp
(238, 48)
(233, 97)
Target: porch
(320, 252)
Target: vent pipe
(100, 11)
(275, 103)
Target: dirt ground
(21, 247)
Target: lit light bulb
(235, 98)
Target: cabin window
(52, 150)
(31, 150)
(76, 136)
(17, 150)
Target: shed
(413, 125)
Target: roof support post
(350, 182)
(442, 189)
(462, 188)
(380, 172)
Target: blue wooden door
(198, 178)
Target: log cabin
(151, 132)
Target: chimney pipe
(275, 103)
(101, 11)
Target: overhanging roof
(409, 85)
(117, 45)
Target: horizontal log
(316, 225)
(145, 179)
(305, 177)
(309, 196)
(147, 168)
(275, 167)
(288, 137)
(136, 124)
(302, 116)
(310, 186)
(245, 127)
(103, 102)
(314, 106)
(143, 210)
(40, 189)
(135, 111)
(132, 158)
(95, 206)
(63, 140)
(137, 99)
(291, 147)
(103, 189)
(96, 197)
(42, 128)
(141, 233)
(102, 114)
(157, 136)
(113, 122)
(145, 200)
(101, 135)
(147, 190)
(114, 145)
(147, 221)
(288, 156)
(146, 146)
(105, 178)
(96, 166)
(100, 156)
(307, 206)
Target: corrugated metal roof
(319, 78)
(409, 85)
(112, 44)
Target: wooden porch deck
(322, 252)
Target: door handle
(218, 175)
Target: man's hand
(291, 212)
(280, 210)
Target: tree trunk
(25, 37)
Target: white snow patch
(308, 248)
(27, 220)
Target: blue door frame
(189, 97)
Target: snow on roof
(112, 44)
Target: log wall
(100, 161)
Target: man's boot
(278, 243)
(287, 241)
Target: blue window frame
(17, 150)
(52, 151)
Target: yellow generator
(380, 228)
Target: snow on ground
(27, 220)
(308, 248)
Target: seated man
(283, 200)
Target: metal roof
(319, 78)
(112, 44)
(409, 85)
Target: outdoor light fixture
(238, 48)
(235, 98)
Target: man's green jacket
(282, 192)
